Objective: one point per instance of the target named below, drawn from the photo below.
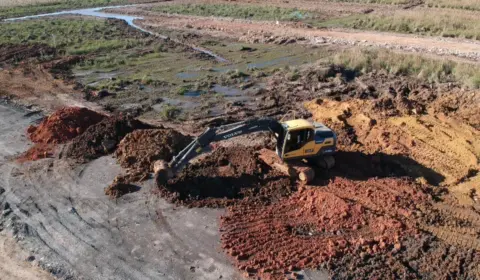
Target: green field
(433, 22)
(413, 65)
(75, 36)
(236, 11)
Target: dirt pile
(138, 151)
(391, 95)
(141, 148)
(102, 138)
(118, 189)
(316, 225)
(36, 152)
(228, 176)
(64, 125)
(435, 141)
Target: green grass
(170, 112)
(473, 5)
(446, 23)
(42, 8)
(373, 1)
(75, 36)
(236, 11)
(432, 70)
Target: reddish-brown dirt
(64, 125)
(36, 152)
(117, 189)
(316, 225)
(102, 138)
(227, 176)
(138, 151)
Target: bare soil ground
(401, 202)
(12, 268)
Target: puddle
(177, 102)
(227, 91)
(187, 75)
(193, 93)
(224, 69)
(269, 63)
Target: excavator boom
(210, 135)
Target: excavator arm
(210, 135)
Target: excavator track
(325, 162)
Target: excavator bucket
(162, 171)
(297, 170)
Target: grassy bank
(434, 22)
(75, 36)
(432, 70)
(236, 11)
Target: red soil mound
(36, 152)
(320, 224)
(64, 125)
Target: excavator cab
(303, 140)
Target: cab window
(320, 136)
(297, 139)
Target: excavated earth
(137, 153)
(316, 225)
(102, 138)
(401, 201)
(64, 125)
(58, 128)
(228, 176)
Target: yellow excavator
(299, 143)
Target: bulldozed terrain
(91, 101)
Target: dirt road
(258, 31)
(72, 229)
